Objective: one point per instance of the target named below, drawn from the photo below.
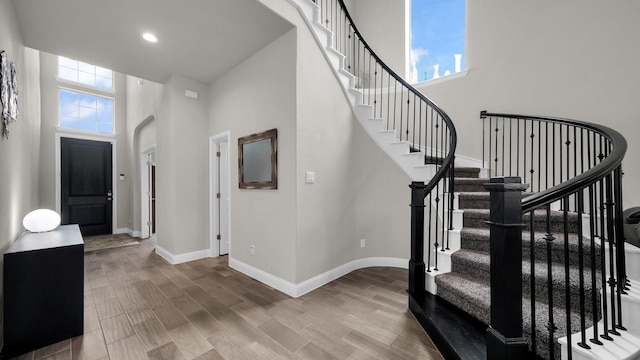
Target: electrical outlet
(363, 243)
(252, 249)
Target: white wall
(575, 59)
(359, 192)
(258, 95)
(304, 230)
(384, 25)
(182, 168)
(49, 100)
(143, 101)
(20, 154)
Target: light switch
(310, 177)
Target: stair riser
(557, 249)
(540, 223)
(473, 203)
(469, 187)
(466, 173)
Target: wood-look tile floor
(137, 306)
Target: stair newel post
(504, 335)
(416, 263)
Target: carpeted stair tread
(479, 240)
(470, 295)
(476, 265)
(474, 297)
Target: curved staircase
(458, 261)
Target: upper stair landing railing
(574, 168)
(415, 120)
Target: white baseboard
(174, 259)
(297, 290)
(127, 231)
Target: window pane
(67, 74)
(85, 112)
(105, 127)
(86, 67)
(437, 34)
(103, 82)
(86, 78)
(100, 71)
(66, 62)
(88, 124)
(85, 73)
(68, 122)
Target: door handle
(109, 194)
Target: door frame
(145, 199)
(110, 138)
(214, 146)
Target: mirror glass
(257, 160)
(256, 166)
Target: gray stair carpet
(467, 286)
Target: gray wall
(576, 59)
(20, 154)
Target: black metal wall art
(8, 93)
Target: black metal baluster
(594, 268)
(619, 243)
(532, 171)
(510, 146)
(551, 327)
(546, 154)
(504, 121)
(532, 271)
(567, 287)
(611, 239)
(496, 159)
(603, 269)
(583, 326)
(539, 156)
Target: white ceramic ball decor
(41, 220)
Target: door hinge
(218, 237)
(218, 154)
(218, 195)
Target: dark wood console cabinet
(43, 289)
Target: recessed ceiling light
(150, 37)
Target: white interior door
(223, 201)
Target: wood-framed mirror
(258, 160)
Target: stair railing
(574, 168)
(416, 120)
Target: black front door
(86, 179)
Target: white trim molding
(175, 259)
(128, 231)
(297, 290)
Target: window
(85, 112)
(437, 38)
(89, 111)
(83, 73)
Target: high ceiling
(197, 39)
